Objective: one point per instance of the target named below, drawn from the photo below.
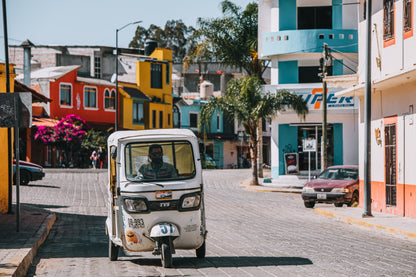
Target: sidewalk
(17, 249)
(388, 223)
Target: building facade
(292, 35)
(393, 98)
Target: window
(97, 67)
(179, 154)
(218, 123)
(138, 117)
(109, 99)
(315, 17)
(169, 119)
(388, 7)
(309, 74)
(193, 120)
(65, 95)
(167, 73)
(90, 95)
(155, 75)
(176, 117)
(154, 119)
(407, 15)
(160, 119)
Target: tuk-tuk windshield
(147, 161)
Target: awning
(36, 96)
(46, 122)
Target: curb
(363, 223)
(279, 190)
(22, 260)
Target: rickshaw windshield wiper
(155, 184)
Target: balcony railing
(309, 41)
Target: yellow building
(4, 158)
(148, 103)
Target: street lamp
(116, 96)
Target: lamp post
(116, 96)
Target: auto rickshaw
(156, 194)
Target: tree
(245, 102)
(174, 36)
(231, 40)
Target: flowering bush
(70, 130)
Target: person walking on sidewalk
(94, 159)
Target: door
(390, 163)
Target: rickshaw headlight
(190, 201)
(135, 205)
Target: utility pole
(367, 118)
(325, 62)
(260, 148)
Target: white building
(393, 97)
(292, 34)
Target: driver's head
(156, 153)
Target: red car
(336, 184)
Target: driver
(156, 168)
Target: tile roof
(136, 93)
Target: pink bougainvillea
(70, 130)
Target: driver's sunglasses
(159, 153)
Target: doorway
(314, 131)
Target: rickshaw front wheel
(112, 250)
(200, 252)
(166, 255)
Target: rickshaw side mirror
(114, 152)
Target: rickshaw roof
(150, 134)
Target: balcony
(309, 41)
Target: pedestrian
(101, 157)
(94, 159)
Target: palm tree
(245, 102)
(230, 40)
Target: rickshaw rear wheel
(200, 252)
(166, 255)
(112, 250)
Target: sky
(94, 22)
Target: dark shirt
(164, 172)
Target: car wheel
(24, 177)
(354, 199)
(309, 204)
(200, 252)
(113, 250)
(166, 255)
(338, 205)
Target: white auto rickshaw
(156, 196)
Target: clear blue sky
(94, 22)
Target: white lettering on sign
(314, 100)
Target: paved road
(250, 234)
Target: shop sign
(309, 145)
(314, 100)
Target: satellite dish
(113, 78)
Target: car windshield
(339, 174)
(148, 161)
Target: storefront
(289, 132)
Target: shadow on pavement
(42, 186)
(218, 262)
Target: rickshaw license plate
(164, 195)
(321, 196)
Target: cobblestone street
(250, 234)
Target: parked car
(28, 172)
(336, 184)
(207, 161)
